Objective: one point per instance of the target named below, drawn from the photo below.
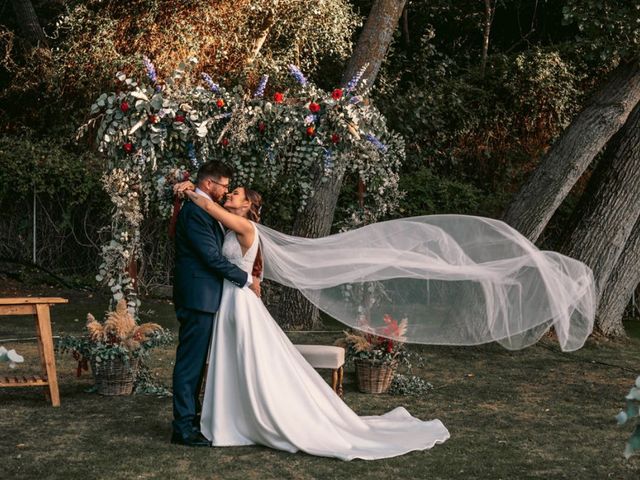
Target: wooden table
(40, 308)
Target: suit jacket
(200, 267)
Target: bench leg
(45, 342)
(340, 376)
(334, 380)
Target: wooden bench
(326, 356)
(40, 308)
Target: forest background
(483, 93)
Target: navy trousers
(193, 344)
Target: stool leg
(334, 380)
(46, 337)
(340, 376)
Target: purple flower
(328, 159)
(214, 87)
(151, 70)
(261, 86)
(376, 142)
(191, 153)
(309, 119)
(353, 83)
(355, 99)
(297, 74)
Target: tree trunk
(488, 20)
(295, 311)
(611, 206)
(374, 40)
(623, 280)
(261, 37)
(28, 20)
(566, 161)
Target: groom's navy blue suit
(199, 272)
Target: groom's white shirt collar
(205, 194)
(200, 192)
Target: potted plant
(376, 353)
(114, 348)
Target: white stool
(326, 356)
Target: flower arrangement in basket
(376, 353)
(114, 348)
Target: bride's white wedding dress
(260, 390)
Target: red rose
(179, 118)
(335, 138)
(154, 118)
(128, 147)
(314, 107)
(262, 127)
(311, 131)
(220, 103)
(225, 142)
(278, 97)
(124, 106)
(389, 346)
(337, 94)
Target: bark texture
(624, 279)
(605, 113)
(374, 40)
(29, 23)
(611, 206)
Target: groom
(199, 272)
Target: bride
(260, 390)
(461, 280)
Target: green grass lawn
(536, 413)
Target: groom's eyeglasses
(223, 185)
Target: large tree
(611, 204)
(624, 279)
(317, 217)
(568, 158)
(28, 20)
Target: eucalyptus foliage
(631, 411)
(157, 132)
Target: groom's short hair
(214, 169)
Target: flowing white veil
(458, 279)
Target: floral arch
(156, 132)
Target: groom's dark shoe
(194, 439)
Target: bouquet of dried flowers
(118, 337)
(381, 346)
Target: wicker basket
(374, 378)
(115, 376)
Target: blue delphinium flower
(261, 86)
(191, 153)
(376, 142)
(297, 74)
(214, 87)
(151, 70)
(328, 159)
(353, 83)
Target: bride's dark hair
(256, 204)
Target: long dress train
(260, 390)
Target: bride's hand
(182, 187)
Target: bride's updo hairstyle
(256, 204)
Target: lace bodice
(232, 250)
